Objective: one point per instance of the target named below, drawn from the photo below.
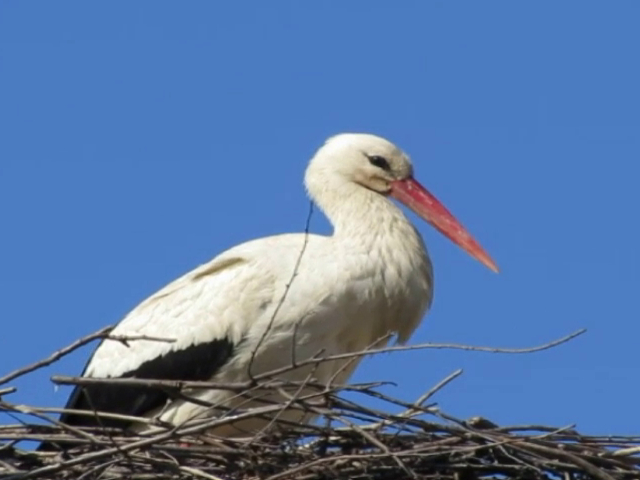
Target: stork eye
(379, 162)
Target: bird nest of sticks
(397, 439)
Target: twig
(287, 287)
(7, 391)
(57, 355)
(30, 411)
(178, 385)
(626, 451)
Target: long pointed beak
(423, 203)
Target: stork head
(379, 166)
(367, 160)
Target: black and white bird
(372, 277)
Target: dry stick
(188, 423)
(104, 415)
(395, 401)
(451, 346)
(56, 355)
(108, 434)
(555, 432)
(437, 387)
(356, 409)
(286, 291)
(366, 456)
(382, 447)
(145, 442)
(29, 411)
(495, 441)
(351, 360)
(65, 380)
(171, 463)
(7, 391)
(289, 402)
(475, 447)
(368, 437)
(626, 451)
(102, 333)
(417, 407)
(125, 339)
(98, 468)
(587, 466)
(255, 412)
(8, 467)
(245, 394)
(590, 468)
(177, 385)
(531, 465)
(199, 473)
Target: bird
(255, 307)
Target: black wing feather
(194, 363)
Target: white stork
(372, 277)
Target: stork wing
(196, 362)
(201, 310)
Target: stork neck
(358, 213)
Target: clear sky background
(139, 139)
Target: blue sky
(139, 139)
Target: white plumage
(371, 277)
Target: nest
(352, 440)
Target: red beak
(418, 199)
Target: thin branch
(239, 386)
(57, 355)
(7, 391)
(287, 287)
